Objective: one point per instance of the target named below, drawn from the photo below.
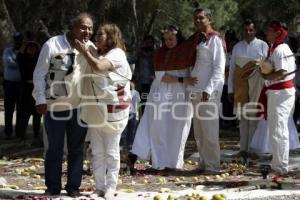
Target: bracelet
(180, 79)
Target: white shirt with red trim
(282, 58)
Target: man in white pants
(209, 69)
(251, 48)
(278, 96)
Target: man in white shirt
(251, 48)
(57, 78)
(278, 96)
(209, 69)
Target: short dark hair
(248, 22)
(207, 12)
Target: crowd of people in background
(89, 92)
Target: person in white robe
(249, 48)
(261, 143)
(209, 69)
(165, 124)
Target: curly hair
(114, 37)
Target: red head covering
(180, 57)
(183, 55)
(280, 39)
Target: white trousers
(247, 126)
(105, 158)
(247, 129)
(206, 130)
(280, 108)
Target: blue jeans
(128, 134)
(56, 130)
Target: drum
(265, 67)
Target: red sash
(122, 103)
(263, 99)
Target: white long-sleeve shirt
(53, 81)
(256, 49)
(209, 66)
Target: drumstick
(292, 72)
(295, 55)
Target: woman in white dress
(165, 124)
(261, 143)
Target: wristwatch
(180, 79)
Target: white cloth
(105, 158)
(52, 85)
(280, 61)
(209, 66)
(100, 91)
(247, 122)
(256, 49)
(159, 134)
(135, 100)
(206, 130)
(247, 129)
(261, 142)
(280, 107)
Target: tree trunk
(136, 35)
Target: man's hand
(231, 97)
(190, 81)
(41, 108)
(205, 97)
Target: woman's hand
(190, 81)
(81, 47)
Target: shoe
(265, 169)
(132, 158)
(74, 193)
(253, 155)
(48, 193)
(210, 172)
(264, 157)
(97, 193)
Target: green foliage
(137, 18)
